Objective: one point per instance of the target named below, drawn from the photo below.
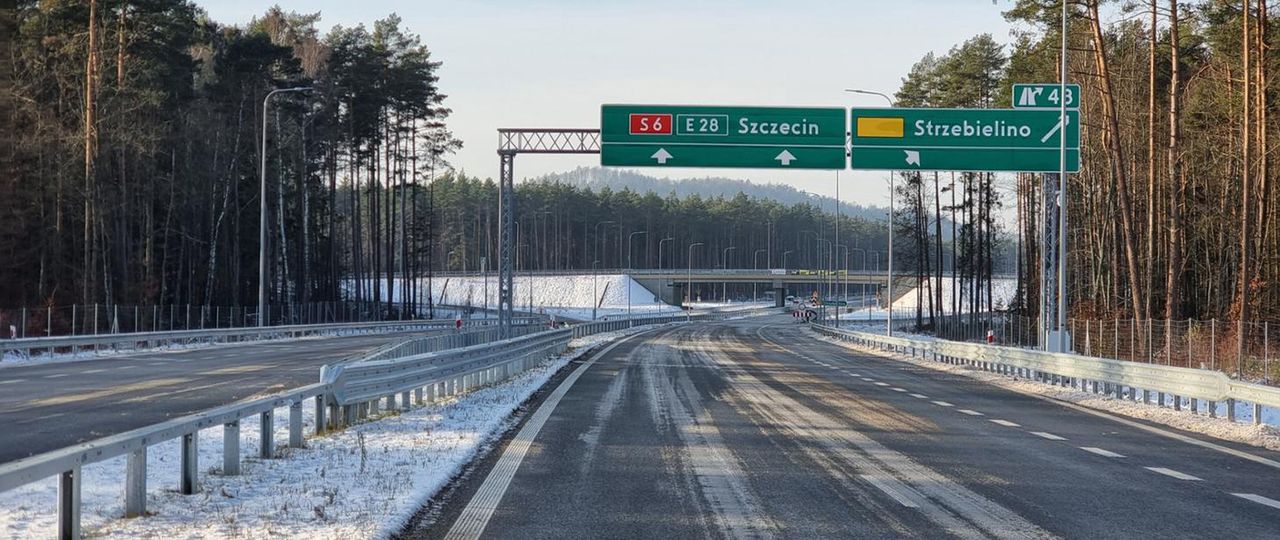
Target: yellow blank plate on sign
(880, 127)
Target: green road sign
(696, 136)
(979, 140)
(1044, 96)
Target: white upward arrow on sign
(785, 158)
(662, 156)
(913, 157)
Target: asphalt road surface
(48, 406)
(755, 429)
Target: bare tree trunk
(1117, 162)
(1151, 156)
(1246, 245)
(90, 152)
(1173, 274)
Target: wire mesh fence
(80, 319)
(1241, 350)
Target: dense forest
(133, 148)
(1173, 213)
(133, 153)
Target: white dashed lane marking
(94, 371)
(919, 396)
(1101, 452)
(56, 375)
(1049, 436)
(942, 404)
(1259, 499)
(971, 412)
(1172, 473)
(11, 381)
(882, 384)
(896, 389)
(1005, 423)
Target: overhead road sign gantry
(977, 140)
(714, 136)
(1045, 96)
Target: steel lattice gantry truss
(526, 141)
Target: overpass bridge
(670, 284)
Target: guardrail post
(267, 431)
(404, 399)
(1257, 414)
(295, 424)
(190, 464)
(231, 448)
(320, 416)
(373, 406)
(1177, 402)
(135, 483)
(1213, 408)
(69, 504)
(391, 402)
(1195, 406)
(1231, 410)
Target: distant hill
(598, 178)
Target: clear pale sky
(551, 63)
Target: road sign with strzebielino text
(714, 136)
(976, 140)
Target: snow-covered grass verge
(1266, 435)
(365, 481)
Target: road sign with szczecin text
(1045, 96)
(712, 136)
(975, 140)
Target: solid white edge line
(1125, 421)
(1172, 473)
(1266, 501)
(473, 519)
(1101, 452)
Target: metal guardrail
(66, 463)
(1103, 374)
(350, 390)
(147, 340)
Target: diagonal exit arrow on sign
(1056, 128)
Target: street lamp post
(863, 294)
(755, 265)
(724, 263)
(888, 319)
(262, 207)
(784, 259)
(594, 264)
(629, 269)
(826, 279)
(688, 285)
(594, 271)
(660, 250)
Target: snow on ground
(365, 481)
(566, 291)
(1243, 430)
(1002, 292)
